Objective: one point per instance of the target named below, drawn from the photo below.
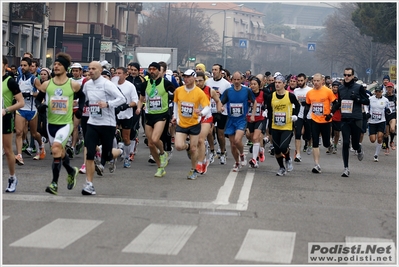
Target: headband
(63, 62)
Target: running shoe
(298, 158)
(360, 155)
(243, 160)
(192, 174)
(330, 149)
(384, 145)
(28, 151)
(112, 166)
(82, 169)
(52, 188)
(249, 143)
(262, 154)
(289, 165)
(199, 168)
(316, 169)
(375, 158)
(151, 159)
(188, 152)
(79, 147)
(71, 179)
(236, 167)
(126, 163)
(99, 169)
(392, 144)
(42, 154)
(12, 185)
(309, 150)
(281, 172)
(164, 159)
(131, 156)
(334, 150)
(218, 152)
(222, 159)
(205, 167)
(70, 151)
(25, 145)
(305, 148)
(160, 172)
(170, 155)
(346, 173)
(19, 160)
(88, 189)
(212, 157)
(253, 163)
(272, 151)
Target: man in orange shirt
(319, 101)
(190, 105)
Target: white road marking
(243, 199)
(267, 246)
(5, 217)
(58, 234)
(120, 201)
(225, 191)
(162, 239)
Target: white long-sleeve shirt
(104, 90)
(130, 92)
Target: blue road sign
(369, 71)
(311, 47)
(242, 43)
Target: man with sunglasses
(351, 96)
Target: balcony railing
(27, 13)
(107, 32)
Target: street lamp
(189, 36)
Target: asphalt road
(249, 217)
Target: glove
(264, 114)
(78, 114)
(354, 97)
(294, 118)
(328, 117)
(123, 107)
(387, 111)
(368, 115)
(41, 108)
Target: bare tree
(342, 43)
(188, 30)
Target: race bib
(86, 111)
(392, 106)
(236, 109)
(95, 110)
(59, 105)
(213, 106)
(280, 118)
(187, 109)
(257, 111)
(317, 109)
(376, 116)
(346, 106)
(155, 103)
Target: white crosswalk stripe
(267, 246)
(162, 239)
(58, 234)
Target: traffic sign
(369, 71)
(311, 47)
(242, 43)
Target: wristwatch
(7, 111)
(107, 105)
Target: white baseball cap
(76, 66)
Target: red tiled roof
(218, 6)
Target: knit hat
(135, 64)
(202, 66)
(386, 77)
(155, 65)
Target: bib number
(376, 116)
(95, 110)
(59, 105)
(236, 109)
(346, 106)
(187, 109)
(155, 103)
(317, 109)
(280, 118)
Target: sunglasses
(347, 75)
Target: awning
(243, 21)
(145, 59)
(254, 24)
(120, 47)
(261, 25)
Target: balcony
(27, 13)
